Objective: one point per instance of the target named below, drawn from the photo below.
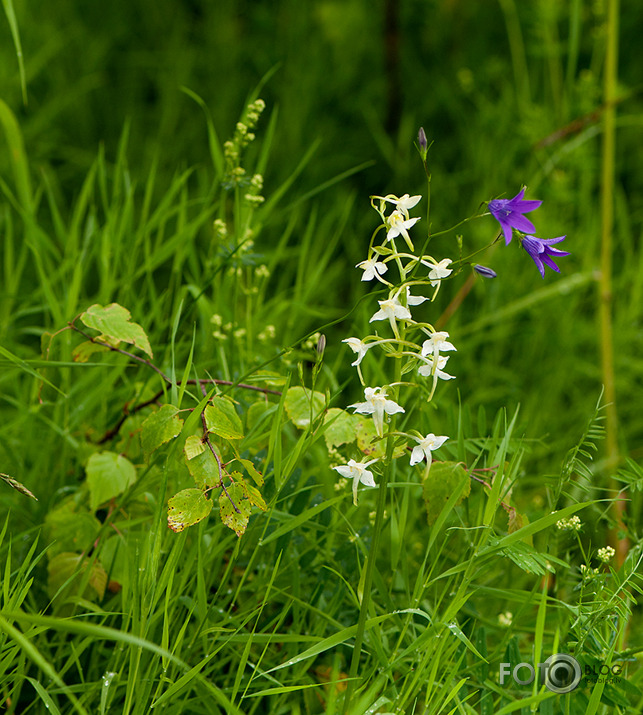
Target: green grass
(115, 184)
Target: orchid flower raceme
(372, 269)
(377, 405)
(358, 472)
(509, 214)
(541, 253)
(424, 448)
(392, 310)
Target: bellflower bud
(484, 271)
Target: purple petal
(527, 205)
(547, 259)
(520, 223)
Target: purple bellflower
(509, 214)
(541, 252)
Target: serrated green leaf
(298, 405)
(203, 467)
(108, 475)
(341, 429)
(187, 508)
(194, 446)
(443, 480)
(252, 470)
(18, 486)
(115, 322)
(222, 419)
(252, 493)
(237, 521)
(160, 427)
(82, 352)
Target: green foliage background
(113, 199)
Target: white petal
(392, 408)
(367, 478)
(417, 455)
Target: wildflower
(484, 271)
(398, 225)
(377, 404)
(358, 472)
(437, 343)
(509, 214)
(372, 268)
(571, 524)
(403, 204)
(422, 142)
(540, 252)
(357, 346)
(425, 446)
(505, 619)
(435, 368)
(605, 554)
(440, 271)
(391, 310)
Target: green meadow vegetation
(236, 475)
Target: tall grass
(113, 179)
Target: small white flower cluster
(571, 524)
(427, 358)
(605, 554)
(505, 619)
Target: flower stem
(372, 556)
(605, 285)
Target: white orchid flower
(439, 271)
(392, 310)
(372, 268)
(358, 472)
(399, 225)
(425, 446)
(357, 346)
(377, 405)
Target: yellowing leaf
(160, 427)
(370, 444)
(187, 508)
(114, 321)
(252, 470)
(82, 352)
(222, 419)
(252, 494)
(235, 520)
(108, 475)
(193, 447)
(302, 404)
